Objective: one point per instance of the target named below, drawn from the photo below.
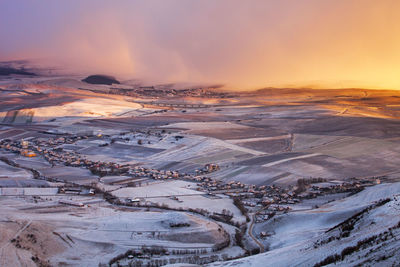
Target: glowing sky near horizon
(245, 44)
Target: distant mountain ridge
(4, 71)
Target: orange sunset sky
(244, 44)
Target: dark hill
(100, 79)
(7, 71)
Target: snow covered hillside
(368, 236)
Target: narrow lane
(250, 232)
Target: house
(133, 200)
(28, 153)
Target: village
(167, 91)
(265, 201)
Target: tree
(239, 238)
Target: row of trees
(238, 203)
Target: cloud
(245, 44)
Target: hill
(8, 71)
(100, 79)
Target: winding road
(250, 232)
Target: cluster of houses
(151, 91)
(250, 195)
(50, 149)
(274, 198)
(208, 168)
(20, 148)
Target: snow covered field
(90, 107)
(216, 205)
(159, 189)
(86, 236)
(266, 139)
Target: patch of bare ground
(26, 243)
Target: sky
(244, 44)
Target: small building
(28, 153)
(133, 200)
(24, 144)
(263, 234)
(70, 190)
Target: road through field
(250, 230)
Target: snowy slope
(368, 236)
